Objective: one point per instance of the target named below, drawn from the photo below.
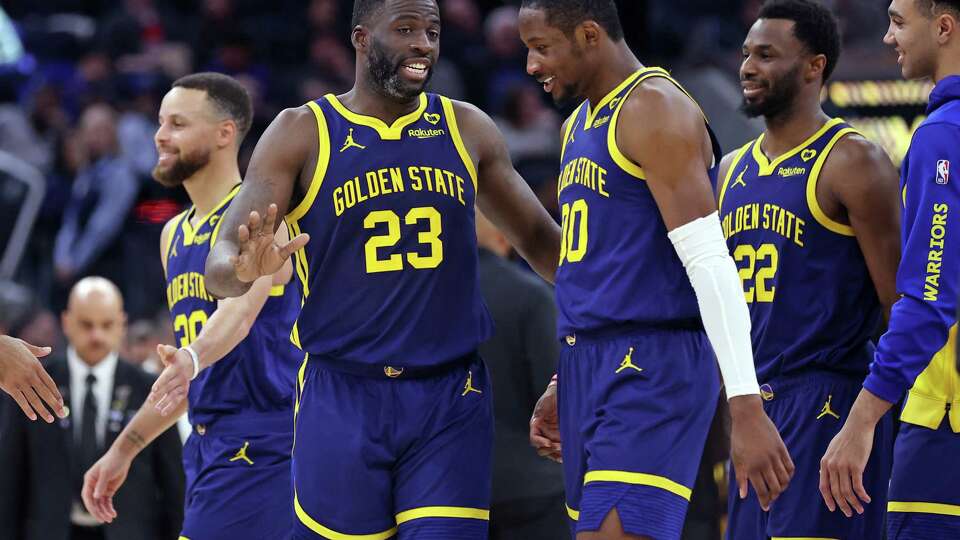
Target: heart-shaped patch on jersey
(432, 118)
(808, 154)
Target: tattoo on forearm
(136, 439)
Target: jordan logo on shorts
(350, 143)
(628, 362)
(827, 411)
(467, 388)
(242, 454)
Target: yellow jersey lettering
(585, 172)
(417, 184)
(768, 217)
(373, 182)
(938, 230)
(396, 181)
(188, 285)
(338, 204)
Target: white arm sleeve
(713, 274)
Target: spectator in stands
(529, 127)
(42, 466)
(102, 195)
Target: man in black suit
(42, 466)
(528, 498)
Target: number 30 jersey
(390, 273)
(259, 374)
(812, 302)
(617, 267)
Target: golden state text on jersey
(812, 302)
(259, 374)
(617, 265)
(390, 272)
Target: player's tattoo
(136, 439)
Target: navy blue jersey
(259, 374)
(617, 265)
(390, 272)
(812, 303)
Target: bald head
(94, 320)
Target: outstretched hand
(260, 253)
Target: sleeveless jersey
(390, 272)
(617, 265)
(259, 374)
(812, 302)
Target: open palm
(261, 254)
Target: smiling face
(771, 74)
(186, 136)
(402, 46)
(554, 58)
(914, 37)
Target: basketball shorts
(809, 410)
(925, 486)
(393, 456)
(635, 408)
(238, 478)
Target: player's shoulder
(469, 115)
(293, 117)
(662, 99)
(855, 152)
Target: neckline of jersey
(189, 229)
(767, 166)
(391, 132)
(593, 112)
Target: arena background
(60, 57)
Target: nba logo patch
(943, 171)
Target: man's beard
(185, 166)
(385, 75)
(779, 98)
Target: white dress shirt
(102, 390)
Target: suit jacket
(521, 357)
(36, 471)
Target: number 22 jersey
(390, 272)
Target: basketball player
(809, 210)
(917, 353)
(393, 426)
(22, 376)
(235, 365)
(642, 263)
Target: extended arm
(665, 134)
(505, 198)
(281, 155)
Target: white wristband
(196, 360)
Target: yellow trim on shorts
(574, 514)
(394, 131)
(316, 527)
(458, 140)
(183, 538)
(443, 512)
(924, 508)
(640, 479)
(737, 158)
(298, 391)
(320, 171)
(812, 202)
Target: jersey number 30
(761, 265)
(394, 262)
(573, 231)
(188, 327)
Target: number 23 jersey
(390, 272)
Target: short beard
(779, 98)
(385, 75)
(182, 169)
